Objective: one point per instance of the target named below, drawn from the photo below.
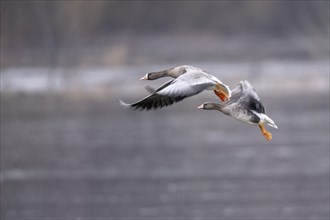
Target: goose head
(211, 106)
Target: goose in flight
(244, 105)
(188, 81)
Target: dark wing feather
(255, 105)
(154, 101)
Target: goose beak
(201, 106)
(144, 77)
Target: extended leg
(265, 133)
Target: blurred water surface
(68, 150)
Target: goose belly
(245, 116)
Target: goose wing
(183, 87)
(245, 96)
(171, 92)
(154, 100)
(248, 89)
(192, 82)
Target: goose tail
(270, 122)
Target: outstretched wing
(246, 96)
(181, 88)
(154, 100)
(171, 92)
(191, 83)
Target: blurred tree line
(59, 24)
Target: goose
(244, 105)
(188, 81)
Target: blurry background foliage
(144, 32)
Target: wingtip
(124, 104)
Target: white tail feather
(270, 122)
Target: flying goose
(188, 81)
(244, 105)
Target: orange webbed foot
(220, 95)
(265, 133)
